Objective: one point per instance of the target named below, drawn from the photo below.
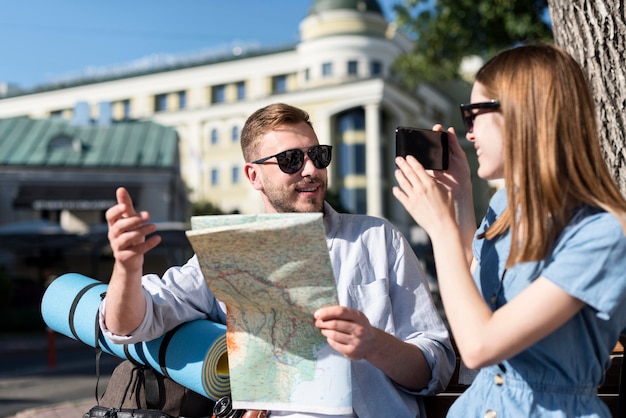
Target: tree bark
(594, 33)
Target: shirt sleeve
(180, 295)
(416, 317)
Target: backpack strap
(151, 389)
(96, 344)
(150, 381)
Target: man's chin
(310, 206)
(295, 203)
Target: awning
(67, 197)
(35, 234)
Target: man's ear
(254, 176)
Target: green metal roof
(358, 5)
(56, 142)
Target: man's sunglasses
(468, 114)
(292, 160)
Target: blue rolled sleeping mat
(193, 355)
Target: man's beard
(284, 199)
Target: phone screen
(430, 148)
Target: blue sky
(47, 40)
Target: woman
(546, 302)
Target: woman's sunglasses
(468, 114)
(292, 160)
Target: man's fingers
(123, 198)
(135, 236)
(135, 242)
(124, 209)
(117, 218)
(148, 244)
(114, 213)
(139, 249)
(334, 312)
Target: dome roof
(358, 5)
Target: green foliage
(205, 207)
(446, 31)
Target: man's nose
(308, 168)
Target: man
(386, 322)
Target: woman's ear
(253, 176)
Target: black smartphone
(430, 148)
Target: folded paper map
(273, 272)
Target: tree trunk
(594, 33)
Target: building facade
(58, 178)
(339, 72)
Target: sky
(44, 41)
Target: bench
(437, 406)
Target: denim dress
(559, 375)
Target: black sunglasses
(468, 115)
(292, 160)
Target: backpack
(137, 391)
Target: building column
(192, 159)
(373, 172)
(323, 130)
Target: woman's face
(487, 136)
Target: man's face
(302, 191)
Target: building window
(215, 177)
(215, 136)
(361, 201)
(353, 67)
(327, 69)
(376, 68)
(351, 155)
(351, 159)
(56, 114)
(236, 174)
(279, 84)
(307, 74)
(235, 133)
(352, 120)
(354, 200)
(126, 109)
(182, 99)
(105, 113)
(160, 102)
(241, 90)
(218, 94)
(359, 158)
(64, 143)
